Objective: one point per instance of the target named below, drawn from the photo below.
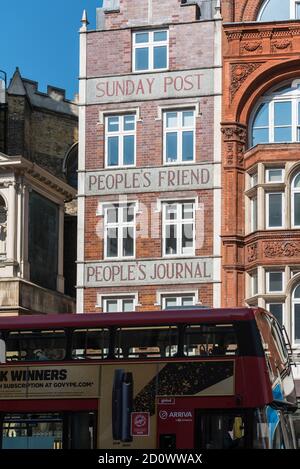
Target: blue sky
(41, 38)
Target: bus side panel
(176, 418)
(253, 386)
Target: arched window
(3, 228)
(296, 315)
(70, 166)
(279, 10)
(295, 189)
(276, 118)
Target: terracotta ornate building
(261, 158)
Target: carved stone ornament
(240, 153)
(280, 45)
(282, 249)
(252, 252)
(229, 153)
(255, 46)
(234, 132)
(232, 36)
(239, 73)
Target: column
(233, 214)
(81, 165)
(60, 261)
(11, 223)
(25, 266)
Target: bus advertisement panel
(136, 388)
(44, 382)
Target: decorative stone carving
(280, 45)
(252, 252)
(234, 132)
(232, 36)
(255, 46)
(229, 153)
(266, 33)
(281, 249)
(240, 153)
(239, 73)
(295, 31)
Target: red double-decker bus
(182, 379)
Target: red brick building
(149, 204)
(261, 168)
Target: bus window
(260, 429)
(275, 350)
(279, 341)
(278, 439)
(146, 342)
(90, 343)
(2, 350)
(212, 340)
(36, 345)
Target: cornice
(22, 166)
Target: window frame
(271, 98)
(179, 130)
(293, 16)
(254, 213)
(253, 179)
(119, 299)
(293, 9)
(150, 45)
(295, 301)
(179, 222)
(178, 297)
(275, 292)
(254, 283)
(119, 225)
(274, 302)
(267, 177)
(120, 134)
(293, 192)
(267, 225)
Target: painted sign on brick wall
(150, 86)
(140, 180)
(153, 272)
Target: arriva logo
(163, 414)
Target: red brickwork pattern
(147, 246)
(149, 144)
(134, 13)
(241, 10)
(147, 295)
(109, 53)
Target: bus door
(220, 429)
(65, 430)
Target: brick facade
(107, 54)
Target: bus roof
(193, 316)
